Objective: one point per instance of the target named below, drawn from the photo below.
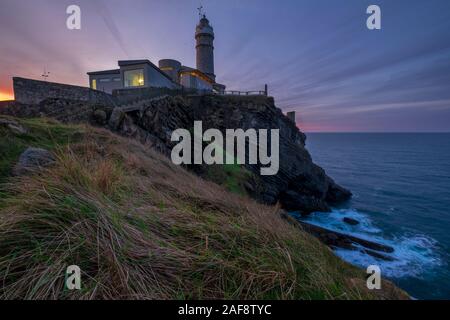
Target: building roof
(198, 72)
(98, 73)
(124, 63)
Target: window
(94, 84)
(116, 79)
(134, 78)
(105, 80)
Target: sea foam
(414, 254)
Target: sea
(401, 196)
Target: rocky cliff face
(300, 185)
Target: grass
(230, 176)
(142, 228)
(43, 133)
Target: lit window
(134, 78)
(94, 84)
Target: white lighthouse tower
(204, 35)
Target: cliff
(299, 185)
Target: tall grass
(142, 228)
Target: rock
(294, 201)
(100, 117)
(14, 126)
(33, 160)
(338, 239)
(116, 118)
(350, 221)
(378, 255)
(249, 187)
(337, 194)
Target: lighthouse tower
(204, 35)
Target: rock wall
(64, 110)
(6, 104)
(28, 91)
(124, 96)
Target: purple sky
(317, 56)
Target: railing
(245, 93)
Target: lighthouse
(204, 35)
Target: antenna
(200, 11)
(45, 75)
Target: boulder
(116, 118)
(100, 117)
(350, 221)
(33, 160)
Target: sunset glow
(6, 96)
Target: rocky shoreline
(338, 240)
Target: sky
(317, 56)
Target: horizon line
(375, 132)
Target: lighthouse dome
(204, 28)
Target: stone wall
(28, 91)
(5, 104)
(125, 96)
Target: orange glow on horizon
(6, 96)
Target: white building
(169, 73)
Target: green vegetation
(230, 176)
(142, 228)
(41, 133)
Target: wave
(414, 254)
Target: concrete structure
(291, 116)
(172, 68)
(169, 73)
(105, 81)
(28, 91)
(131, 74)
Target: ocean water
(401, 187)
